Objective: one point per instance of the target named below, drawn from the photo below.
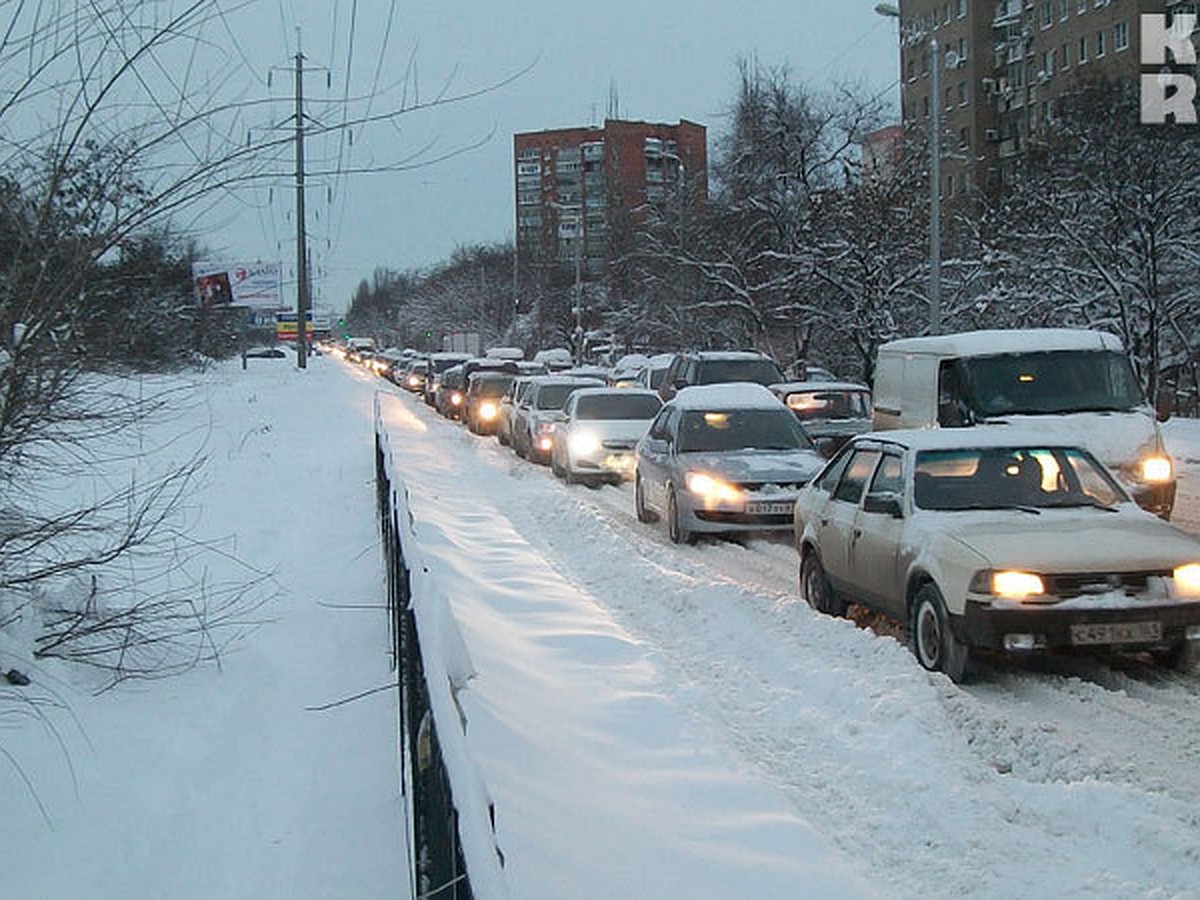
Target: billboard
(258, 285)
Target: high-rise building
(1004, 63)
(571, 181)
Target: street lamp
(935, 173)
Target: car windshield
(554, 396)
(816, 405)
(1025, 478)
(721, 371)
(617, 406)
(490, 387)
(1055, 381)
(740, 429)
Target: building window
(1064, 57)
(1048, 63)
(962, 9)
(1047, 13)
(1083, 50)
(964, 95)
(912, 70)
(1100, 43)
(1064, 10)
(964, 137)
(1121, 36)
(1081, 7)
(925, 105)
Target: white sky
(667, 60)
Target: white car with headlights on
(594, 442)
(723, 458)
(992, 539)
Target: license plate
(1116, 633)
(768, 508)
(620, 462)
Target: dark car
(449, 397)
(439, 363)
(718, 367)
(481, 404)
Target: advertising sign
(257, 285)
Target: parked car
(831, 412)
(481, 403)
(601, 426)
(439, 363)
(535, 416)
(1073, 386)
(723, 458)
(995, 539)
(718, 367)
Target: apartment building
(1004, 63)
(571, 181)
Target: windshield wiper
(1070, 502)
(1017, 506)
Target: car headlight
(456, 399)
(1010, 584)
(1187, 579)
(1156, 469)
(413, 380)
(487, 410)
(712, 489)
(584, 443)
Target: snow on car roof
(733, 395)
(660, 360)
(723, 355)
(615, 392)
(791, 387)
(1015, 340)
(974, 438)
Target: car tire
(931, 638)
(1183, 658)
(519, 447)
(675, 530)
(816, 589)
(556, 469)
(639, 502)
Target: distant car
(625, 370)
(411, 377)
(555, 359)
(481, 403)
(508, 402)
(449, 397)
(723, 458)
(651, 375)
(718, 367)
(439, 363)
(831, 412)
(541, 407)
(990, 539)
(265, 352)
(601, 426)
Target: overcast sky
(667, 60)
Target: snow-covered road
(1066, 778)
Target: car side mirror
(885, 503)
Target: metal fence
(437, 861)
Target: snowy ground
(220, 783)
(650, 720)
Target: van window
(1049, 382)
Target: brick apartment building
(1004, 64)
(571, 181)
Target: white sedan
(594, 442)
(989, 539)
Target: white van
(1073, 386)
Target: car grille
(772, 487)
(1080, 585)
(619, 445)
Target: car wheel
(1184, 657)
(933, 643)
(675, 530)
(639, 501)
(558, 470)
(816, 589)
(519, 447)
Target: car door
(654, 457)
(875, 539)
(835, 523)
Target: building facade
(1004, 64)
(572, 183)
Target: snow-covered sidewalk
(220, 783)
(603, 785)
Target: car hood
(1118, 439)
(1073, 540)
(625, 430)
(761, 466)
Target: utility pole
(935, 183)
(301, 237)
